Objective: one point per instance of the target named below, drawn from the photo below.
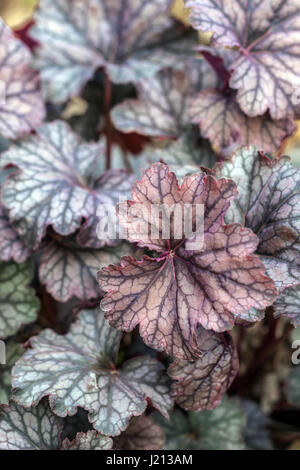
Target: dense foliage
(143, 343)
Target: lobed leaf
(69, 270)
(21, 104)
(168, 296)
(78, 370)
(268, 203)
(35, 428)
(59, 182)
(227, 127)
(132, 40)
(219, 429)
(141, 434)
(266, 34)
(18, 304)
(201, 384)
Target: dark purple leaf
(141, 434)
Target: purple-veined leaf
(59, 182)
(218, 429)
(293, 386)
(269, 204)
(201, 384)
(226, 126)
(266, 34)
(69, 270)
(35, 428)
(13, 352)
(11, 245)
(142, 434)
(18, 304)
(89, 441)
(21, 104)
(161, 109)
(168, 296)
(131, 39)
(78, 369)
(288, 305)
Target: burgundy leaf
(131, 39)
(60, 182)
(227, 127)
(21, 105)
(266, 34)
(169, 295)
(269, 204)
(201, 384)
(141, 434)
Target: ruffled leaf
(219, 429)
(78, 369)
(227, 127)
(168, 296)
(69, 270)
(59, 182)
(201, 384)
(269, 204)
(21, 104)
(35, 428)
(89, 441)
(288, 305)
(132, 40)
(13, 352)
(18, 304)
(266, 34)
(141, 434)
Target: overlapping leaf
(35, 428)
(21, 105)
(288, 305)
(13, 352)
(89, 441)
(269, 204)
(59, 182)
(219, 429)
(227, 127)
(201, 384)
(131, 39)
(78, 369)
(161, 109)
(18, 304)
(293, 386)
(266, 33)
(70, 270)
(142, 434)
(169, 295)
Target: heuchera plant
(143, 342)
